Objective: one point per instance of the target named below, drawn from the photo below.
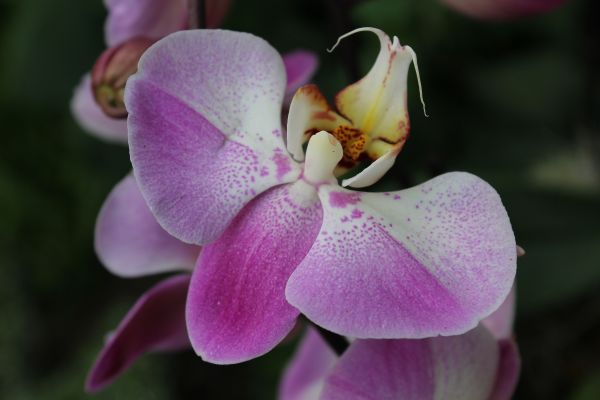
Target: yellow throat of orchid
(371, 117)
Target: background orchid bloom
(281, 237)
(502, 9)
(152, 20)
(155, 323)
(482, 364)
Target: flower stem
(338, 343)
(197, 14)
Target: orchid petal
(373, 172)
(377, 103)
(155, 18)
(155, 323)
(150, 18)
(431, 260)
(300, 66)
(309, 110)
(91, 118)
(130, 242)
(236, 307)
(500, 322)
(456, 367)
(205, 129)
(509, 368)
(502, 9)
(304, 376)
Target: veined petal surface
(236, 308)
(155, 323)
(205, 129)
(130, 242)
(91, 117)
(431, 260)
(455, 367)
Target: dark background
(517, 103)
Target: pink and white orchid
(502, 9)
(130, 243)
(280, 236)
(482, 364)
(131, 26)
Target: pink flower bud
(502, 9)
(111, 71)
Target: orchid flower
(502, 9)
(482, 364)
(130, 243)
(280, 236)
(132, 26)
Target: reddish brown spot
(353, 143)
(324, 115)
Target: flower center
(353, 143)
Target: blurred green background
(517, 103)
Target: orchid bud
(111, 71)
(502, 9)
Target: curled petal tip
(520, 251)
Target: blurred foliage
(517, 103)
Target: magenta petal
(500, 322)
(131, 243)
(502, 9)
(150, 18)
(205, 129)
(300, 65)
(455, 367)
(430, 260)
(91, 118)
(155, 323)
(304, 376)
(236, 307)
(508, 371)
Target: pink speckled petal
(502, 9)
(509, 368)
(155, 323)
(300, 66)
(431, 260)
(456, 367)
(130, 242)
(236, 308)
(304, 376)
(500, 322)
(91, 118)
(205, 129)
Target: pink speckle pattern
(236, 308)
(283, 164)
(343, 199)
(383, 275)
